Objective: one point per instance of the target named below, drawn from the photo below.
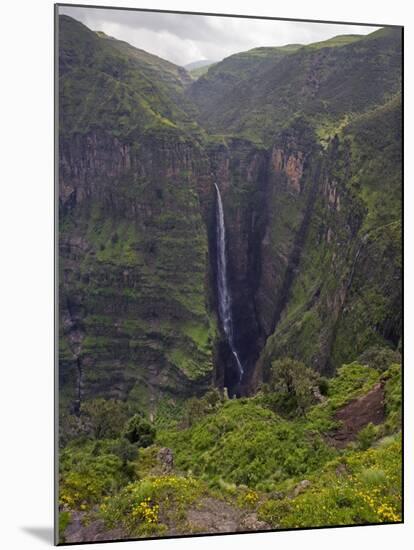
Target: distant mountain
(128, 155)
(256, 93)
(198, 64)
(199, 68)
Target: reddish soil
(357, 414)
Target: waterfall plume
(223, 291)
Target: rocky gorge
(309, 172)
(230, 288)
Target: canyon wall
(312, 206)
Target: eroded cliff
(312, 201)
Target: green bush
(87, 476)
(272, 511)
(366, 436)
(393, 397)
(125, 450)
(294, 385)
(323, 385)
(139, 431)
(246, 443)
(351, 381)
(197, 407)
(64, 519)
(243, 452)
(362, 487)
(379, 358)
(104, 418)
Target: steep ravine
(312, 210)
(301, 259)
(240, 170)
(274, 202)
(280, 204)
(268, 198)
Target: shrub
(393, 397)
(139, 431)
(366, 436)
(368, 490)
(197, 407)
(212, 398)
(245, 443)
(104, 418)
(64, 519)
(272, 511)
(379, 358)
(125, 450)
(294, 383)
(373, 477)
(351, 381)
(323, 385)
(248, 499)
(90, 470)
(86, 478)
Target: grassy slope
(107, 83)
(258, 92)
(242, 453)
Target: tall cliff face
(134, 264)
(342, 290)
(310, 178)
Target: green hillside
(304, 144)
(258, 93)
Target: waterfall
(224, 298)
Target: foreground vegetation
(271, 459)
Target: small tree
(212, 398)
(104, 418)
(138, 430)
(294, 383)
(125, 450)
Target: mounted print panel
(230, 274)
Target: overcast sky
(186, 38)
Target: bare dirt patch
(357, 414)
(216, 516)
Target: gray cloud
(182, 38)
